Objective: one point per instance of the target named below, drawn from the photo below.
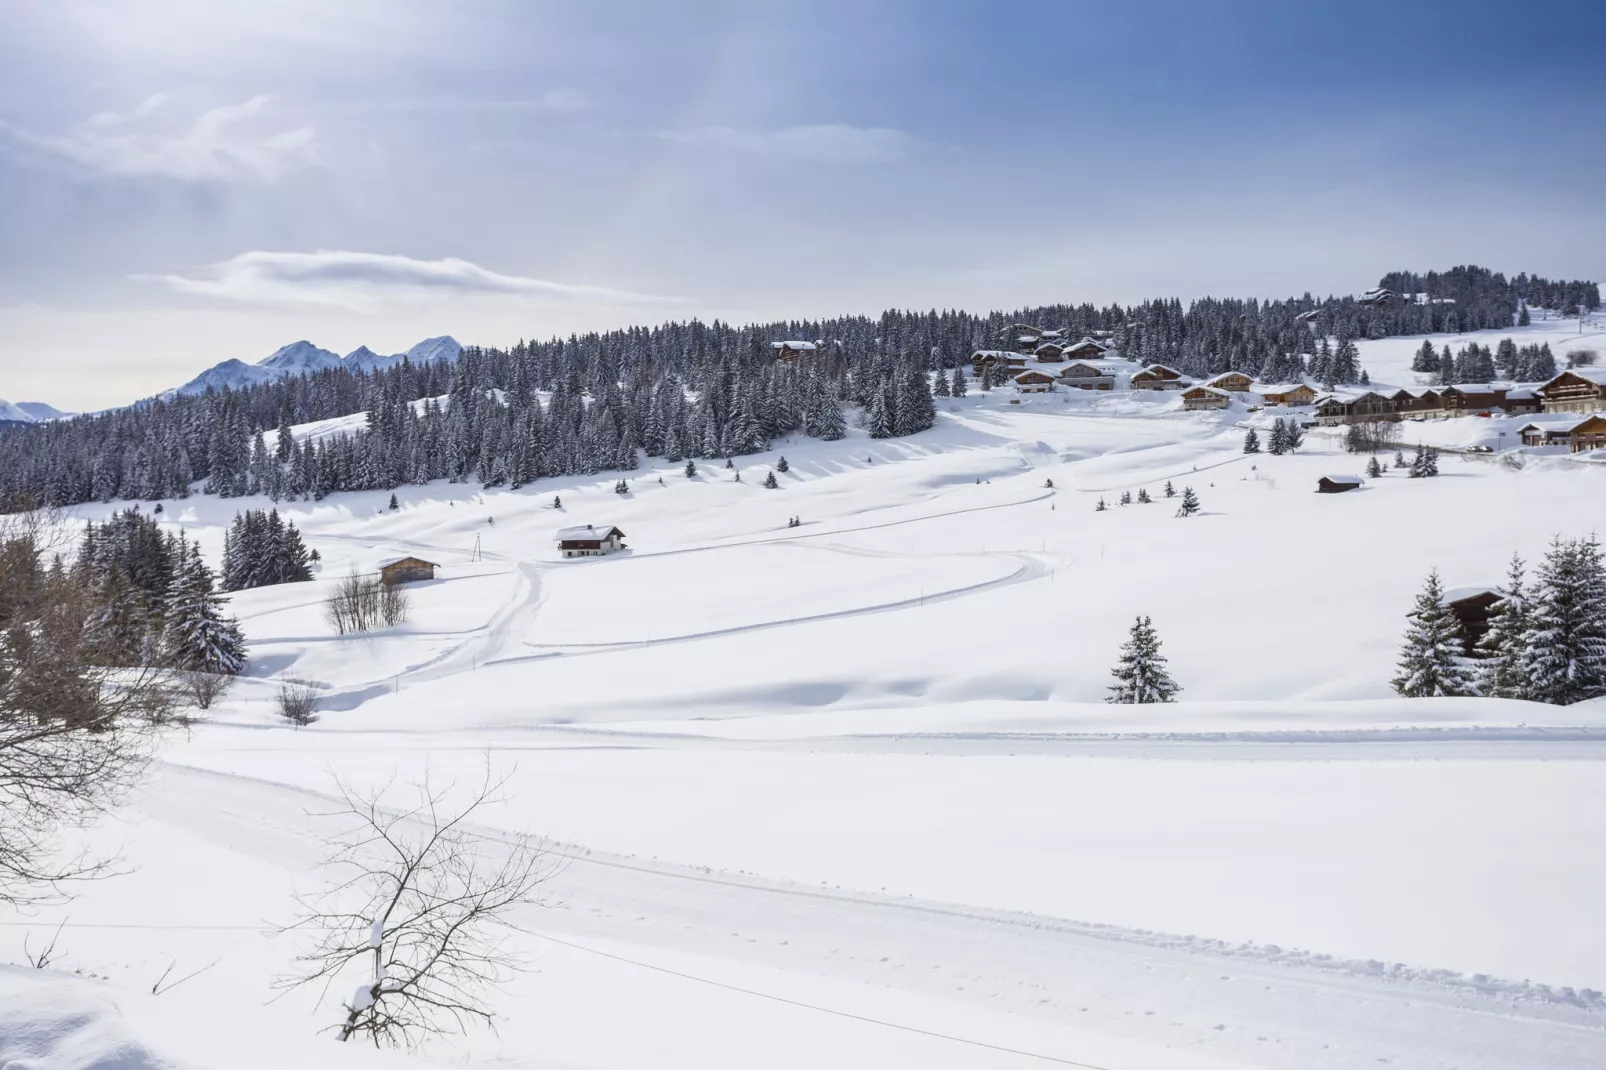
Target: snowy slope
(852, 784)
(8, 411)
(302, 358)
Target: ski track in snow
(1283, 1007)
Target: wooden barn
(406, 570)
(1337, 484)
(1158, 377)
(1204, 397)
(1034, 382)
(589, 540)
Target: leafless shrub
(41, 959)
(73, 735)
(1514, 461)
(298, 702)
(420, 906)
(1582, 358)
(1371, 436)
(203, 688)
(361, 603)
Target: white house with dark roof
(590, 540)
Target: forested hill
(592, 402)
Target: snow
(852, 784)
(8, 411)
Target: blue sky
(191, 180)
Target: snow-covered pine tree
(1170, 491)
(1294, 436)
(1100, 507)
(1502, 671)
(1143, 496)
(1432, 657)
(1277, 440)
(1141, 674)
(196, 636)
(1190, 502)
(1399, 459)
(940, 386)
(1373, 469)
(958, 386)
(1566, 636)
(691, 468)
(1425, 463)
(770, 482)
(1251, 441)
(1126, 497)
(781, 466)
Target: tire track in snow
(1032, 567)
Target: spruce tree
(1503, 670)
(1251, 441)
(1566, 635)
(1170, 491)
(1426, 463)
(770, 482)
(1295, 435)
(958, 387)
(1277, 441)
(196, 636)
(1190, 502)
(1431, 657)
(1126, 497)
(1399, 459)
(1141, 674)
(691, 468)
(394, 504)
(781, 466)
(1143, 496)
(1100, 507)
(1373, 469)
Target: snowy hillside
(851, 782)
(303, 358)
(28, 412)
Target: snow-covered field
(847, 794)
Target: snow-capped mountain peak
(303, 358)
(29, 412)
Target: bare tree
(420, 907)
(203, 688)
(361, 603)
(73, 735)
(298, 702)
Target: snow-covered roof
(1210, 389)
(999, 354)
(1107, 365)
(805, 346)
(587, 531)
(1163, 368)
(1223, 375)
(1344, 479)
(1277, 388)
(1050, 345)
(1594, 375)
(1521, 394)
(1032, 372)
(405, 557)
(1461, 594)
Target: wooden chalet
(1086, 349)
(589, 540)
(1232, 382)
(1418, 403)
(790, 351)
(406, 570)
(1158, 377)
(1521, 401)
(1337, 484)
(1204, 397)
(1464, 399)
(1588, 435)
(1471, 607)
(1089, 375)
(1049, 352)
(1026, 338)
(987, 358)
(1034, 382)
(1575, 390)
(1284, 393)
(1546, 433)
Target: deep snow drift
(846, 792)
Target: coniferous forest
(597, 402)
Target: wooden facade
(1232, 382)
(1588, 435)
(1204, 397)
(1085, 375)
(1049, 352)
(1033, 382)
(1285, 393)
(1471, 608)
(986, 358)
(1575, 390)
(406, 570)
(1337, 484)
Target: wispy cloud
(824, 142)
(222, 144)
(369, 281)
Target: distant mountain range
(29, 412)
(301, 358)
